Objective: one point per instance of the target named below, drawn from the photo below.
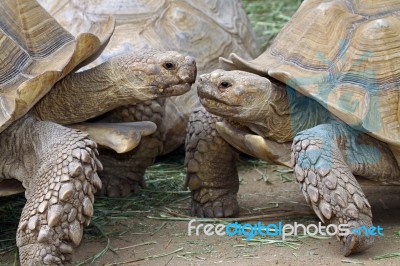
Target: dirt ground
(150, 237)
(161, 237)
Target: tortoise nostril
(202, 78)
(190, 60)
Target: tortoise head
(128, 78)
(238, 95)
(155, 73)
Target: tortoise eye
(169, 65)
(224, 84)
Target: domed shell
(204, 29)
(346, 55)
(36, 52)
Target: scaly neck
(84, 95)
(288, 113)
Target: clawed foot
(324, 165)
(224, 206)
(60, 204)
(122, 186)
(356, 243)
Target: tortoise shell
(204, 29)
(36, 51)
(345, 54)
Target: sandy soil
(254, 193)
(138, 238)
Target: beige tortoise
(58, 165)
(203, 29)
(326, 95)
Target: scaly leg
(211, 168)
(325, 158)
(57, 166)
(124, 173)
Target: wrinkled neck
(97, 79)
(286, 113)
(84, 95)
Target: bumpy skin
(130, 78)
(124, 173)
(325, 160)
(212, 175)
(171, 116)
(211, 168)
(203, 29)
(135, 87)
(58, 167)
(326, 154)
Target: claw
(357, 243)
(224, 206)
(229, 212)
(349, 244)
(208, 212)
(219, 212)
(51, 260)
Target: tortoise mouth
(174, 90)
(212, 99)
(218, 107)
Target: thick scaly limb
(325, 158)
(57, 166)
(124, 173)
(211, 168)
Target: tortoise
(40, 92)
(323, 99)
(203, 29)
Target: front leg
(211, 168)
(124, 173)
(57, 166)
(325, 158)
